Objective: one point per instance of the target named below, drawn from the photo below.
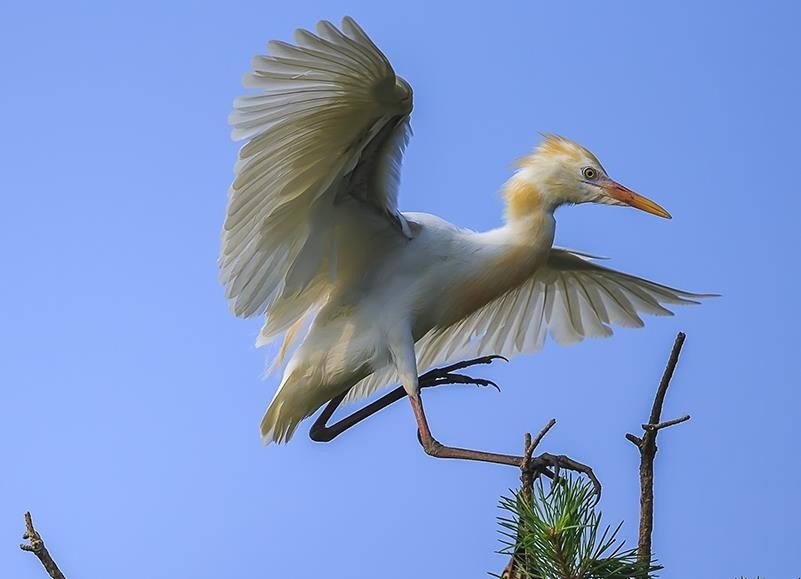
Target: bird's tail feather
(280, 421)
(294, 401)
(277, 425)
(282, 418)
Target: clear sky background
(130, 397)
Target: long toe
(540, 464)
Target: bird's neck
(521, 245)
(530, 226)
(528, 195)
(503, 259)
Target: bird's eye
(589, 173)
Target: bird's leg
(321, 432)
(537, 465)
(435, 448)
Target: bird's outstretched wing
(326, 130)
(570, 296)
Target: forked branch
(647, 447)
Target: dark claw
(488, 383)
(448, 375)
(540, 463)
(464, 379)
(489, 359)
(556, 469)
(439, 372)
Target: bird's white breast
(441, 274)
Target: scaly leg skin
(321, 432)
(538, 465)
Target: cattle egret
(313, 240)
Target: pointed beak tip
(632, 199)
(653, 209)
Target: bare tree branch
(526, 472)
(666, 423)
(37, 547)
(647, 447)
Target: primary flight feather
(314, 241)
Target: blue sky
(130, 397)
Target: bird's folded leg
(321, 432)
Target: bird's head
(560, 172)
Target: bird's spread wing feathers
(327, 129)
(570, 296)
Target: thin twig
(636, 440)
(526, 473)
(647, 447)
(666, 423)
(537, 439)
(37, 547)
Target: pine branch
(558, 535)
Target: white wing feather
(570, 296)
(329, 125)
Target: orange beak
(628, 197)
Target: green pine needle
(558, 536)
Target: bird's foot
(551, 465)
(448, 375)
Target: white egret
(313, 239)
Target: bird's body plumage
(314, 239)
(407, 287)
